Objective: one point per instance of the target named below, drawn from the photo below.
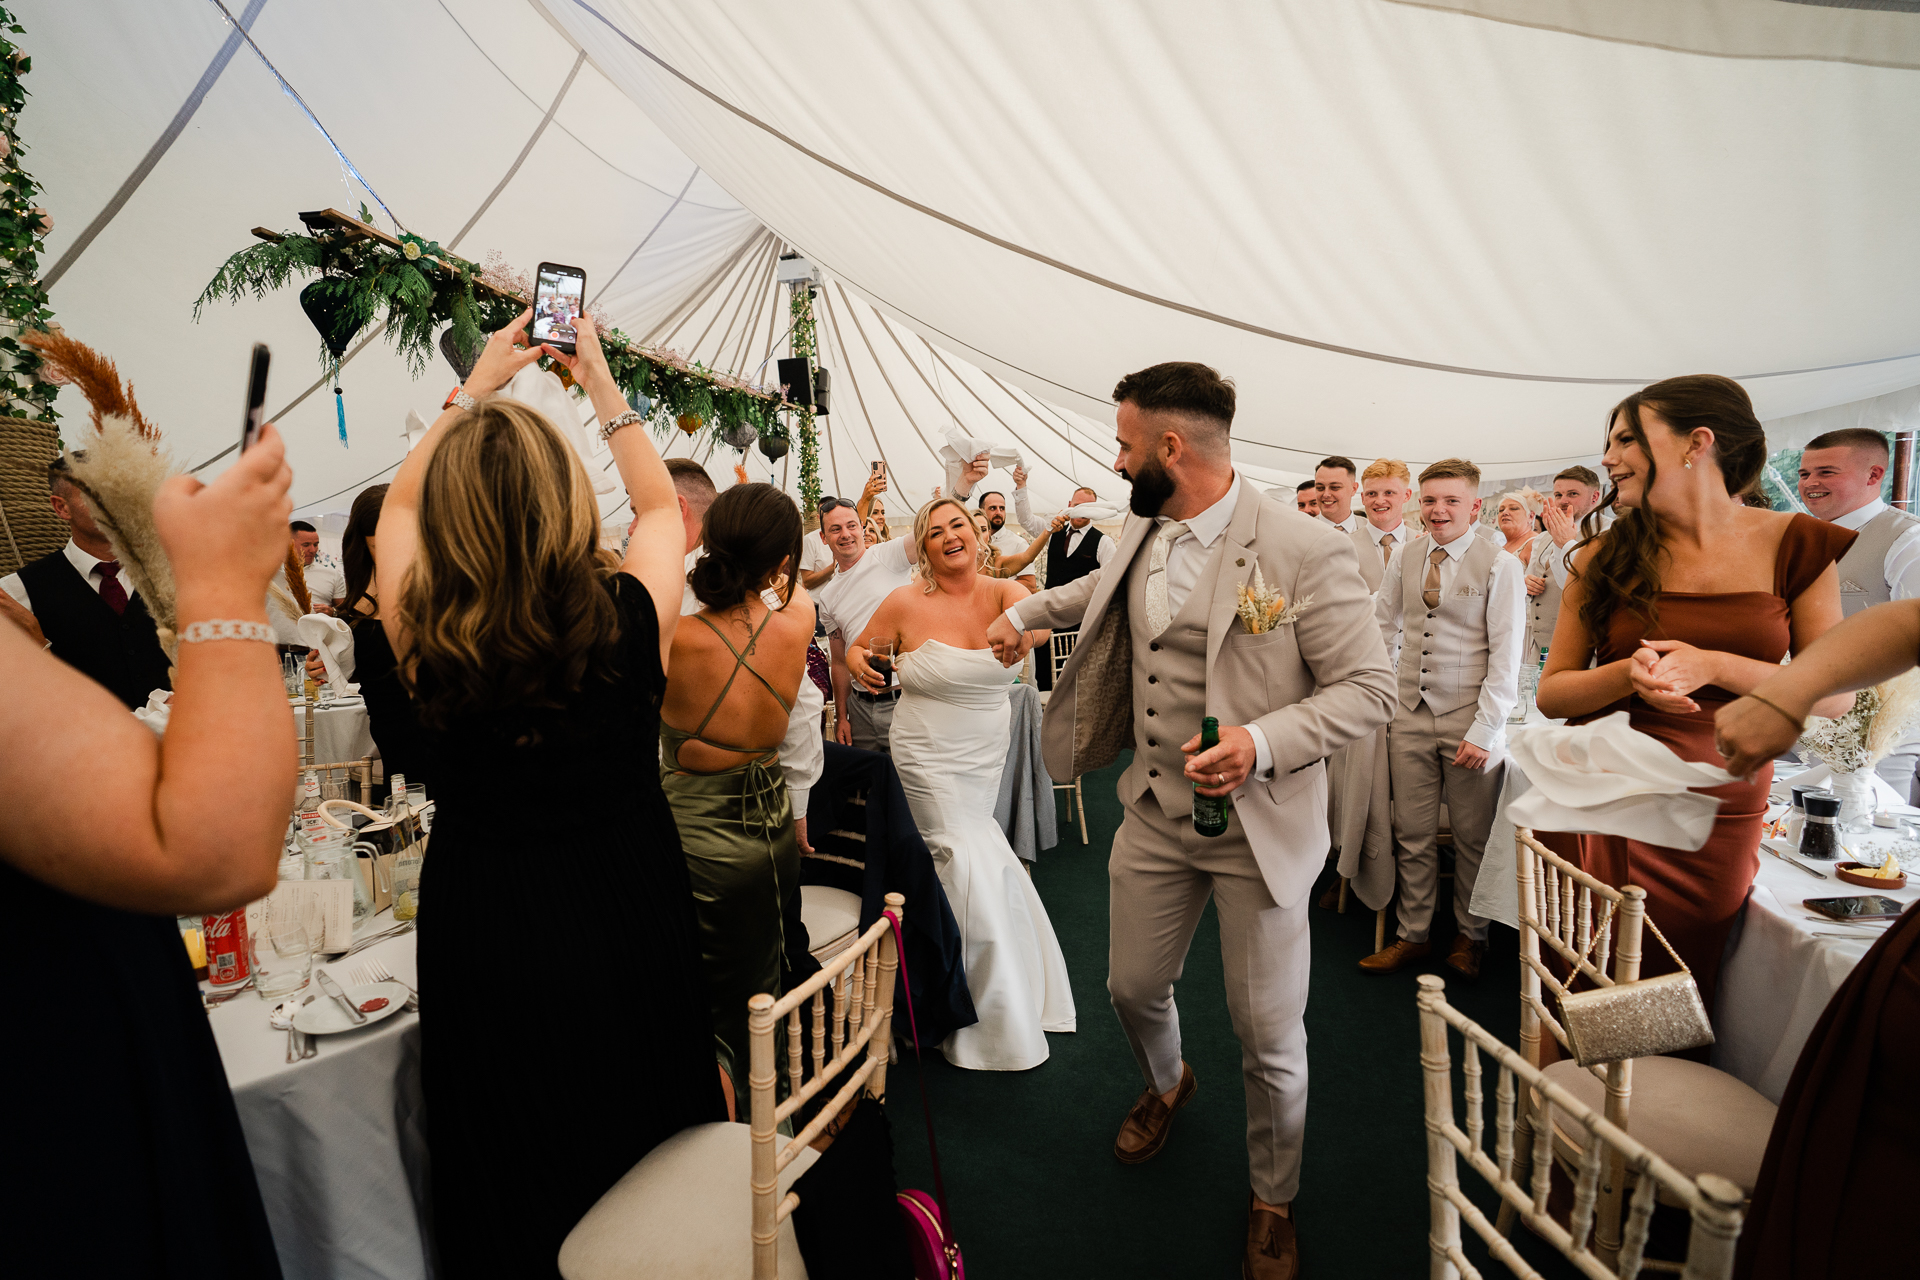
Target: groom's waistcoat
(1169, 687)
(1443, 651)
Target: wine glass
(880, 656)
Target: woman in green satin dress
(736, 667)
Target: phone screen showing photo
(557, 299)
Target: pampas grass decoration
(1899, 708)
(118, 471)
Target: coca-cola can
(226, 941)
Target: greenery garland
(420, 287)
(800, 308)
(23, 303)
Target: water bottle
(1210, 812)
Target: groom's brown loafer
(1273, 1251)
(1146, 1127)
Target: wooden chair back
(861, 978)
(357, 775)
(306, 734)
(1712, 1201)
(1060, 648)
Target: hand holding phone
(256, 396)
(559, 297)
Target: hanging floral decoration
(25, 390)
(415, 286)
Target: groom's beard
(1151, 489)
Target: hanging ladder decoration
(362, 272)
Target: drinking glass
(332, 788)
(282, 948)
(416, 796)
(330, 856)
(880, 656)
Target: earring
(1689, 463)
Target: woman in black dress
(124, 1154)
(566, 1030)
(390, 714)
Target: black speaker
(822, 389)
(794, 377)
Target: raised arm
(655, 552)
(1012, 566)
(192, 822)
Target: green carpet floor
(1031, 1179)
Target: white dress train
(949, 742)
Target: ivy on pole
(23, 302)
(800, 310)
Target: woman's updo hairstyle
(750, 529)
(1624, 570)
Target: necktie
(1386, 552)
(1158, 613)
(110, 589)
(1432, 594)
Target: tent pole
(1903, 494)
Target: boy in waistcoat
(1453, 613)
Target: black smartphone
(1869, 906)
(256, 396)
(559, 296)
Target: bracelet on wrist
(1798, 724)
(225, 629)
(461, 400)
(626, 419)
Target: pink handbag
(925, 1219)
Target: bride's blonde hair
(922, 522)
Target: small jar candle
(1820, 837)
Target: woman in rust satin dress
(1694, 598)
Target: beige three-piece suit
(1311, 685)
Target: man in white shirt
(1335, 485)
(1459, 677)
(863, 577)
(325, 584)
(1074, 549)
(1840, 475)
(696, 492)
(1576, 495)
(81, 603)
(1385, 488)
(1306, 498)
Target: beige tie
(1432, 594)
(1158, 614)
(1386, 553)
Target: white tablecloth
(341, 731)
(337, 1140)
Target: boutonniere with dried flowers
(1262, 610)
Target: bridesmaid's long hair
(1624, 570)
(354, 552)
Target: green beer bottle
(1210, 812)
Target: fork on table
(375, 971)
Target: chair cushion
(1697, 1119)
(685, 1212)
(831, 915)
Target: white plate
(325, 1016)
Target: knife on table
(332, 988)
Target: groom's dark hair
(1181, 386)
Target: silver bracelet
(626, 419)
(226, 629)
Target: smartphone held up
(559, 298)
(256, 396)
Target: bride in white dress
(949, 742)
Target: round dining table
(338, 1139)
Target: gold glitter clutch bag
(1638, 1019)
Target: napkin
(1094, 511)
(961, 449)
(334, 640)
(1610, 779)
(154, 714)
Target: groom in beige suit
(1160, 647)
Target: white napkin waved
(1094, 511)
(334, 640)
(961, 449)
(154, 715)
(1607, 778)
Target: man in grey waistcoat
(1840, 475)
(1161, 646)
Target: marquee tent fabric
(1401, 227)
(164, 130)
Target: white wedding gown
(949, 742)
